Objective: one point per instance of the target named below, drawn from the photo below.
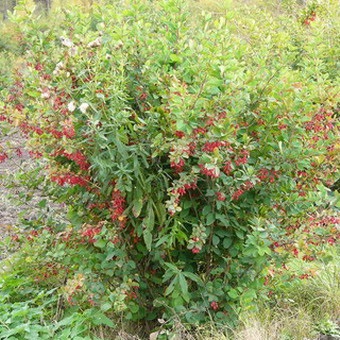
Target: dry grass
(321, 294)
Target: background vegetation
(194, 146)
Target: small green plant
(33, 293)
(328, 327)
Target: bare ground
(12, 204)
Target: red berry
(220, 196)
(214, 305)
(195, 250)
(179, 134)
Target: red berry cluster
(132, 295)
(212, 146)
(35, 154)
(239, 192)
(178, 166)
(228, 168)
(199, 131)
(3, 157)
(26, 129)
(214, 305)
(220, 196)
(267, 175)
(180, 189)
(197, 240)
(179, 134)
(98, 205)
(331, 240)
(118, 207)
(311, 17)
(321, 123)
(90, 233)
(39, 67)
(68, 129)
(195, 250)
(32, 234)
(243, 159)
(49, 270)
(70, 179)
(282, 126)
(212, 172)
(308, 258)
(78, 157)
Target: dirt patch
(12, 195)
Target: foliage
(191, 154)
(313, 286)
(329, 328)
(31, 311)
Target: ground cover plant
(194, 157)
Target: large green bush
(184, 148)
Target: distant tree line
(8, 5)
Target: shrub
(183, 153)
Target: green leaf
(106, 306)
(181, 125)
(160, 212)
(233, 294)
(172, 267)
(184, 287)
(167, 275)
(227, 242)
(178, 302)
(147, 236)
(215, 240)
(210, 218)
(137, 207)
(222, 219)
(249, 295)
(101, 319)
(175, 58)
(206, 210)
(148, 225)
(133, 307)
(100, 244)
(163, 239)
(171, 286)
(239, 234)
(66, 321)
(42, 203)
(264, 250)
(34, 94)
(193, 277)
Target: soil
(8, 168)
(12, 205)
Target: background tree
(7, 5)
(43, 5)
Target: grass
(320, 294)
